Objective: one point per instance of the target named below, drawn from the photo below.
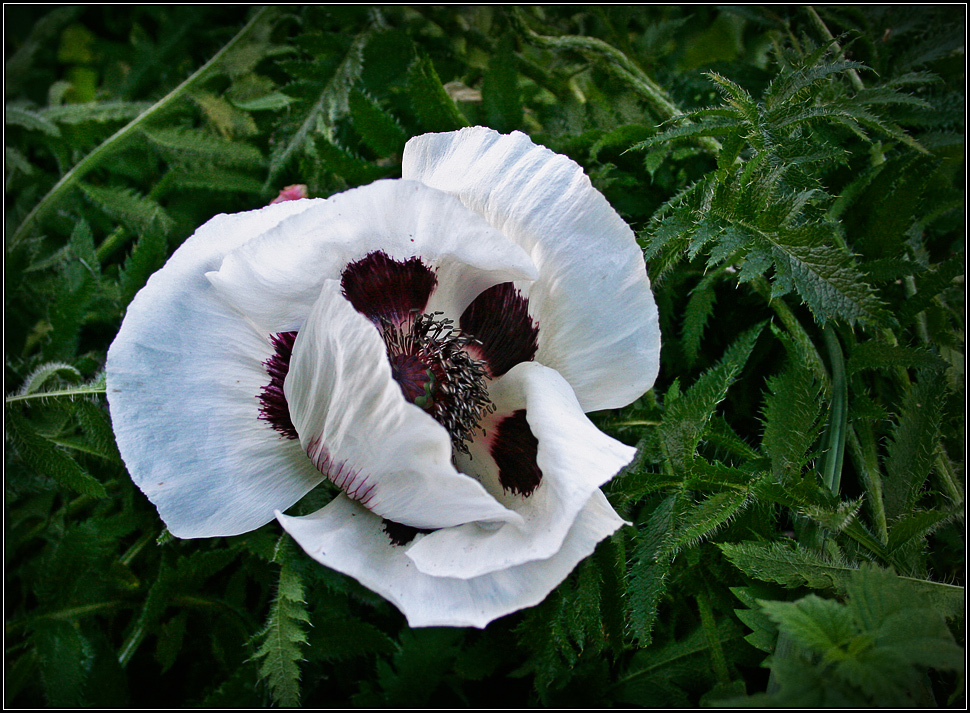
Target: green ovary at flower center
(435, 372)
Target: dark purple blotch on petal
(515, 450)
(380, 287)
(399, 534)
(273, 407)
(498, 319)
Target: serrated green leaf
(873, 354)
(146, 257)
(786, 564)
(912, 445)
(435, 109)
(378, 129)
(353, 169)
(65, 658)
(792, 416)
(500, 87)
(330, 104)
(188, 145)
(687, 417)
(96, 111)
(699, 308)
(46, 458)
(703, 519)
(137, 212)
(816, 623)
(31, 120)
(282, 639)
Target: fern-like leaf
(282, 639)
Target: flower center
(429, 361)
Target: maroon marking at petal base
(515, 450)
(381, 287)
(273, 407)
(499, 320)
(354, 482)
(401, 534)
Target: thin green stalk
(618, 63)
(824, 30)
(112, 143)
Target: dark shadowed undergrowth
(796, 181)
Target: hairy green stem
(88, 390)
(620, 65)
(824, 30)
(116, 140)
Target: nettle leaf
(147, 255)
(648, 570)
(98, 112)
(282, 639)
(29, 119)
(45, 457)
(764, 632)
(792, 415)
(500, 87)
(378, 129)
(872, 649)
(873, 354)
(65, 657)
(912, 444)
(351, 168)
(423, 661)
(813, 622)
(824, 276)
(322, 101)
(787, 564)
(700, 307)
(435, 109)
(137, 212)
(188, 146)
(687, 417)
(703, 519)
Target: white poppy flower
(430, 345)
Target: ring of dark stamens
(273, 407)
(429, 362)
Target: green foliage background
(795, 178)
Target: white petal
(575, 458)
(277, 278)
(350, 539)
(383, 451)
(183, 376)
(598, 323)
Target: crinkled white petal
(352, 416)
(575, 458)
(183, 376)
(277, 278)
(598, 323)
(350, 539)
